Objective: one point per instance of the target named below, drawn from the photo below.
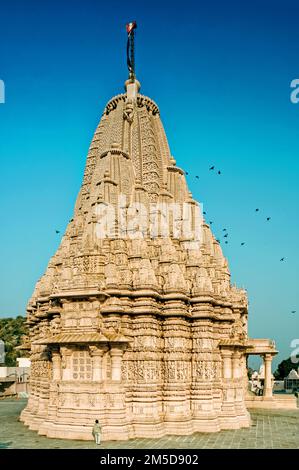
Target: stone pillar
(244, 362)
(268, 376)
(237, 372)
(228, 410)
(226, 364)
(56, 361)
(66, 363)
(116, 359)
(97, 357)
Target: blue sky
(220, 73)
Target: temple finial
(130, 27)
(132, 86)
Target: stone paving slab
(271, 429)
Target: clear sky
(220, 73)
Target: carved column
(268, 376)
(97, 357)
(228, 386)
(244, 369)
(66, 363)
(237, 372)
(56, 361)
(116, 359)
(226, 364)
(178, 371)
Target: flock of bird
(212, 168)
(226, 234)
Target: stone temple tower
(140, 329)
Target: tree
(284, 368)
(11, 332)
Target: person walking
(96, 432)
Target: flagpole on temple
(130, 27)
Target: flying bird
(226, 235)
(282, 259)
(268, 218)
(210, 222)
(226, 241)
(224, 230)
(204, 213)
(219, 172)
(212, 168)
(186, 172)
(243, 243)
(57, 231)
(197, 177)
(293, 311)
(256, 210)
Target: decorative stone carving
(129, 110)
(145, 333)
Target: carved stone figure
(129, 110)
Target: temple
(135, 321)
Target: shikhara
(145, 334)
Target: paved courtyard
(277, 429)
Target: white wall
(23, 362)
(3, 372)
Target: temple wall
(171, 377)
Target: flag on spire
(131, 26)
